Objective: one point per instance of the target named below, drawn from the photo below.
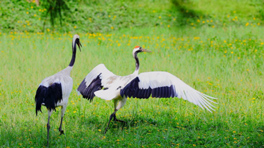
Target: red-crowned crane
(55, 90)
(104, 84)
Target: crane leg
(115, 119)
(111, 116)
(61, 131)
(62, 114)
(48, 126)
(118, 103)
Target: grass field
(226, 63)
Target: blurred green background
(95, 16)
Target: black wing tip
(40, 94)
(87, 92)
(88, 98)
(80, 92)
(85, 95)
(38, 110)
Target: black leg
(48, 127)
(111, 116)
(117, 105)
(118, 119)
(61, 131)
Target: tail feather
(40, 96)
(49, 96)
(107, 94)
(54, 95)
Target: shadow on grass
(185, 12)
(132, 123)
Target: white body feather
(63, 77)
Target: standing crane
(55, 90)
(104, 84)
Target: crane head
(138, 49)
(76, 40)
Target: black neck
(137, 61)
(73, 54)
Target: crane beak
(80, 45)
(145, 50)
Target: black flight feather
(88, 91)
(132, 90)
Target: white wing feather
(105, 73)
(184, 91)
(99, 69)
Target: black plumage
(50, 96)
(88, 92)
(133, 90)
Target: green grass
(109, 15)
(226, 63)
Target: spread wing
(165, 85)
(94, 81)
